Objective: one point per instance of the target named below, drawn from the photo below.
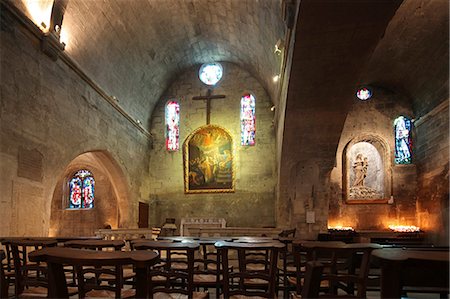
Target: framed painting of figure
(366, 176)
(208, 161)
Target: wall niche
(366, 170)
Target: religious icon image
(208, 161)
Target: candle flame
(404, 228)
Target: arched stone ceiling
(412, 57)
(134, 49)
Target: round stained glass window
(364, 94)
(210, 73)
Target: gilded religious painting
(366, 180)
(208, 161)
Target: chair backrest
(288, 233)
(172, 278)
(346, 266)
(252, 281)
(29, 274)
(90, 278)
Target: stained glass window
(403, 142)
(248, 120)
(81, 188)
(172, 126)
(364, 94)
(211, 73)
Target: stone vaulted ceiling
(134, 49)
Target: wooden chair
(114, 277)
(166, 280)
(244, 281)
(296, 282)
(8, 267)
(345, 267)
(3, 281)
(286, 267)
(57, 257)
(209, 273)
(30, 278)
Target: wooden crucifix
(208, 97)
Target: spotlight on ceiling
(276, 78)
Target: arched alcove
(366, 170)
(111, 197)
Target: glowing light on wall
(340, 227)
(404, 228)
(40, 12)
(64, 37)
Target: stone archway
(111, 197)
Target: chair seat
(244, 297)
(206, 278)
(255, 281)
(255, 267)
(34, 292)
(196, 295)
(125, 293)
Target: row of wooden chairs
(252, 270)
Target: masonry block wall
(375, 118)
(253, 202)
(432, 156)
(49, 116)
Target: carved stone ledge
(51, 45)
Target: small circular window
(211, 73)
(364, 94)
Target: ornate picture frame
(208, 161)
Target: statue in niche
(358, 188)
(360, 167)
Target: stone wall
(49, 116)
(373, 121)
(432, 156)
(253, 202)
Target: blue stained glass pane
(403, 142)
(248, 120)
(172, 126)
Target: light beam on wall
(40, 11)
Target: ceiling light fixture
(276, 78)
(279, 46)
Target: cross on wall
(208, 97)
